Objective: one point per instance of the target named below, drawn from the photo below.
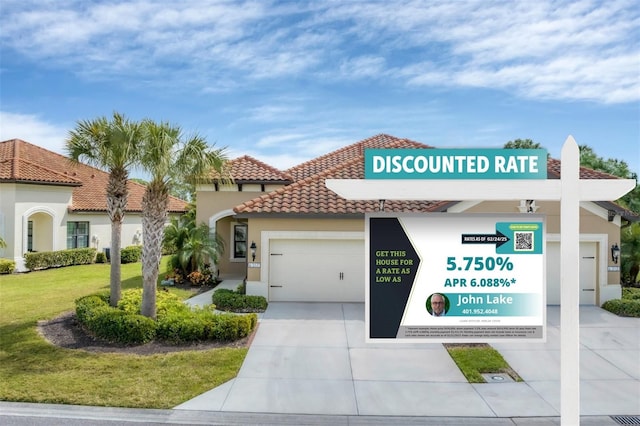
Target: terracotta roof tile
(317, 165)
(311, 196)
(553, 171)
(247, 169)
(23, 162)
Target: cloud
(565, 49)
(33, 129)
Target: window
(239, 241)
(30, 235)
(77, 235)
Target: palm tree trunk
(154, 216)
(117, 196)
(116, 276)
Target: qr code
(523, 241)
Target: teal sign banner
(455, 164)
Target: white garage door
(587, 273)
(316, 270)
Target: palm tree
(166, 156)
(111, 146)
(195, 247)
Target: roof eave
(39, 182)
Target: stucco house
(309, 242)
(48, 203)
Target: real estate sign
(446, 278)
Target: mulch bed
(66, 332)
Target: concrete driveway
(311, 358)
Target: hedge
(229, 300)
(54, 259)
(176, 322)
(623, 307)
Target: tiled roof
(22, 162)
(553, 171)
(247, 169)
(311, 196)
(320, 164)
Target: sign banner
(455, 164)
(455, 278)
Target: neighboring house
(309, 242)
(49, 203)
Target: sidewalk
(23, 414)
(202, 299)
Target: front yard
(33, 370)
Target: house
(48, 203)
(295, 240)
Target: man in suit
(437, 305)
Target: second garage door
(310, 270)
(587, 273)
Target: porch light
(615, 253)
(253, 248)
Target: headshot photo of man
(438, 305)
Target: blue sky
(286, 81)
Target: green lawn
(477, 360)
(32, 370)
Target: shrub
(176, 322)
(131, 254)
(101, 257)
(623, 307)
(54, 259)
(631, 293)
(185, 326)
(131, 302)
(230, 327)
(204, 324)
(228, 300)
(113, 324)
(7, 266)
(87, 305)
(198, 278)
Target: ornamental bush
(114, 324)
(7, 266)
(229, 300)
(55, 259)
(623, 307)
(131, 254)
(176, 322)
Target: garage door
(587, 273)
(316, 270)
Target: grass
(474, 361)
(32, 370)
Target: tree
(522, 144)
(629, 235)
(165, 156)
(193, 246)
(619, 168)
(111, 145)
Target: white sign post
(570, 190)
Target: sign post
(570, 190)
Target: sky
(287, 81)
